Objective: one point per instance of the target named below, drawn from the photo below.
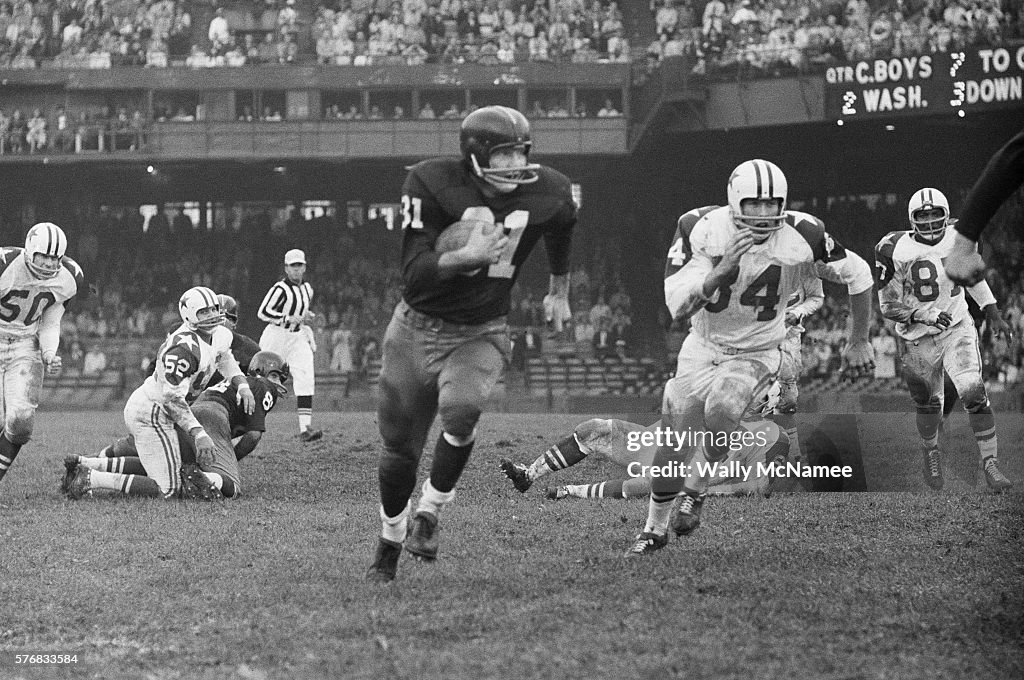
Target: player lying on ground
(218, 411)
(624, 444)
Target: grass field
(855, 585)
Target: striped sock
(565, 453)
(132, 485)
(609, 489)
(659, 512)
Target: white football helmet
(195, 300)
(49, 239)
(930, 230)
(757, 179)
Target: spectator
(36, 135)
(218, 33)
(95, 361)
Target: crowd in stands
(159, 33)
(780, 37)
(59, 131)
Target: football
(457, 234)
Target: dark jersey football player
(217, 410)
(448, 341)
(1003, 175)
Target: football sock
(659, 512)
(126, 465)
(635, 487)
(787, 422)
(609, 489)
(125, 446)
(450, 457)
(432, 500)
(305, 409)
(394, 528)
(928, 418)
(8, 452)
(565, 453)
(983, 423)
(132, 485)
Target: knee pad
(975, 397)
(459, 419)
(19, 429)
(593, 428)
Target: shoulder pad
(438, 174)
(73, 268)
(823, 247)
(689, 219)
(887, 245)
(8, 256)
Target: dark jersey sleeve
(885, 268)
(825, 248)
(680, 251)
(423, 220)
(1000, 178)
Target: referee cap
(295, 256)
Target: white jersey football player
(185, 363)
(632, 447)
(937, 331)
(35, 283)
(731, 274)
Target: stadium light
(839, 122)
(150, 169)
(890, 127)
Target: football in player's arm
(35, 283)
(217, 409)
(938, 334)
(447, 341)
(185, 363)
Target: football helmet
(229, 306)
(490, 129)
(757, 179)
(933, 229)
(49, 239)
(266, 363)
(195, 300)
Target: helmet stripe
(49, 240)
(757, 174)
(771, 180)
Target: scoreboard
(955, 82)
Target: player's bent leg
(22, 382)
(566, 453)
(924, 381)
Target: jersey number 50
(11, 307)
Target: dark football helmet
(490, 129)
(267, 364)
(229, 306)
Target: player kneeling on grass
(185, 363)
(218, 411)
(633, 446)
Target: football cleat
(197, 486)
(385, 562)
(646, 543)
(687, 517)
(307, 436)
(70, 466)
(994, 477)
(517, 473)
(933, 468)
(80, 484)
(556, 493)
(423, 539)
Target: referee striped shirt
(285, 299)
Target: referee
(286, 311)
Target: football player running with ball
(35, 283)
(937, 331)
(733, 272)
(448, 341)
(184, 365)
